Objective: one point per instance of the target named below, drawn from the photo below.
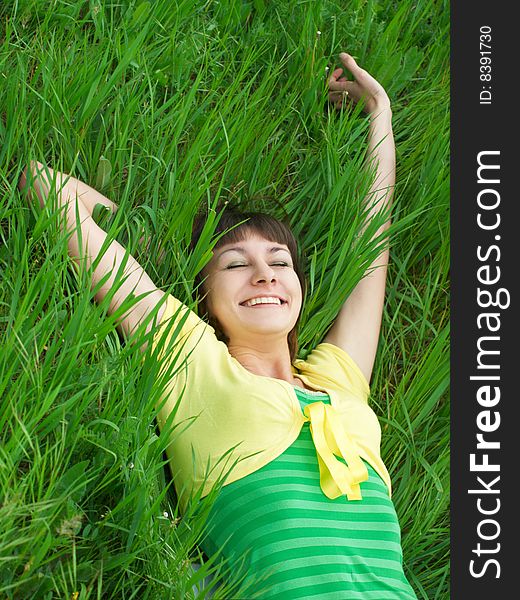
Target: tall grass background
(168, 107)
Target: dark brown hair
(235, 226)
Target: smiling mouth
(263, 301)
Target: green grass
(167, 107)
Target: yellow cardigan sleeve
(179, 331)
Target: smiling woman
(305, 508)
(292, 447)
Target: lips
(264, 300)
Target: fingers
(358, 89)
(348, 61)
(337, 82)
(336, 74)
(334, 81)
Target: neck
(268, 359)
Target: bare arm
(357, 326)
(124, 275)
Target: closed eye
(276, 264)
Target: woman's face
(253, 289)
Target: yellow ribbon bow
(330, 438)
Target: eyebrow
(241, 250)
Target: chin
(270, 328)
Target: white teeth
(263, 300)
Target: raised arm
(124, 275)
(357, 326)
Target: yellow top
(226, 421)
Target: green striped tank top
(283, 539)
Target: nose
(263, 273)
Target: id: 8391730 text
(485, 71)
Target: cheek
(298, 293)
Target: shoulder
(179, 327)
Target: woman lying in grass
(305, 509)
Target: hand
(364, 88)
(42, 177)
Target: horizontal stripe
(278, 502)
(361, 559)
(269, 515)
(295, 577)
(342, 560)
(339, 594)
(345, 582)
(279, 478)
(363, 529)
(319, 544)
(336, 591)
(300, 488)
(294, 536)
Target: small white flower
(165, 514)
(318, 33)
(131, 465)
